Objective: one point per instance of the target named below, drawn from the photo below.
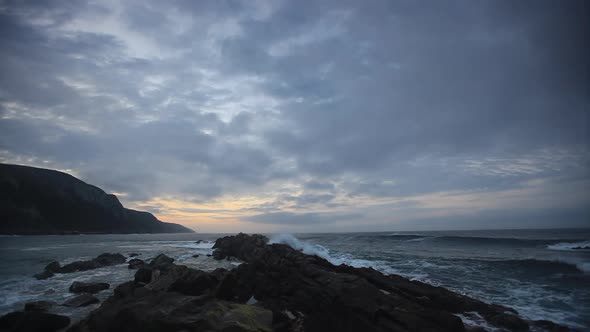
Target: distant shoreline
(335, 232)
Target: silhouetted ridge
(41, 201)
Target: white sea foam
(306, 248)
(473, 319)
(191, 245)
(339, 258)
(584, 266)
(582, 245)
(16, 292)
(419, 239)
(171, 244)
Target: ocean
(543, 274)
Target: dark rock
(196, 256)
(39, 306)
(549, 326)
(49, 271)
(79, 266)
(157, 311)
(32, 321)
(226, 288)
(509, 321)
(81, 301)
(209, 255)
(125, 289)
(241, 246)
(193, 282)
(102, 260)
(133, 254)
(44, 275)
(475, 329)
(342, 297)
(143, 275)
(42, 201)
(136, 263)
(53, 267)
(107, 259)
(181, 279)
(161, 261)
(219, 273)
(90, 287)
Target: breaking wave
(566, 246)
(562, 265)
(334, 257)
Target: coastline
(283, 266)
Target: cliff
(41, 201)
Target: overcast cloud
(308, 115)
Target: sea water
(543, 274)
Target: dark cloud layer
(320, 110)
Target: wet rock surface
(39, 306)
(102, 260)
(81, 301)
(135, 263)
(242, 246)
(136, 308)
(88, 287)
(161, 261)
(49, 271)
(32, 321)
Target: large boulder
(135, 264)
(49, 271)
(138, 309)
(108, 259)
(79, 266)
(161, 261)
(43, 275)
(102, 260)
(88, 287)
(39, 306)
(548, 326)
(32, 321)
(143, 275)
(147, 273)
(178, 278)
(509, 321)
(81, 301)
(194, 282)
(53, 267)
(242, 246)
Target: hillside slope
(41, 201)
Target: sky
(308, 116)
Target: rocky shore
(276, 288)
